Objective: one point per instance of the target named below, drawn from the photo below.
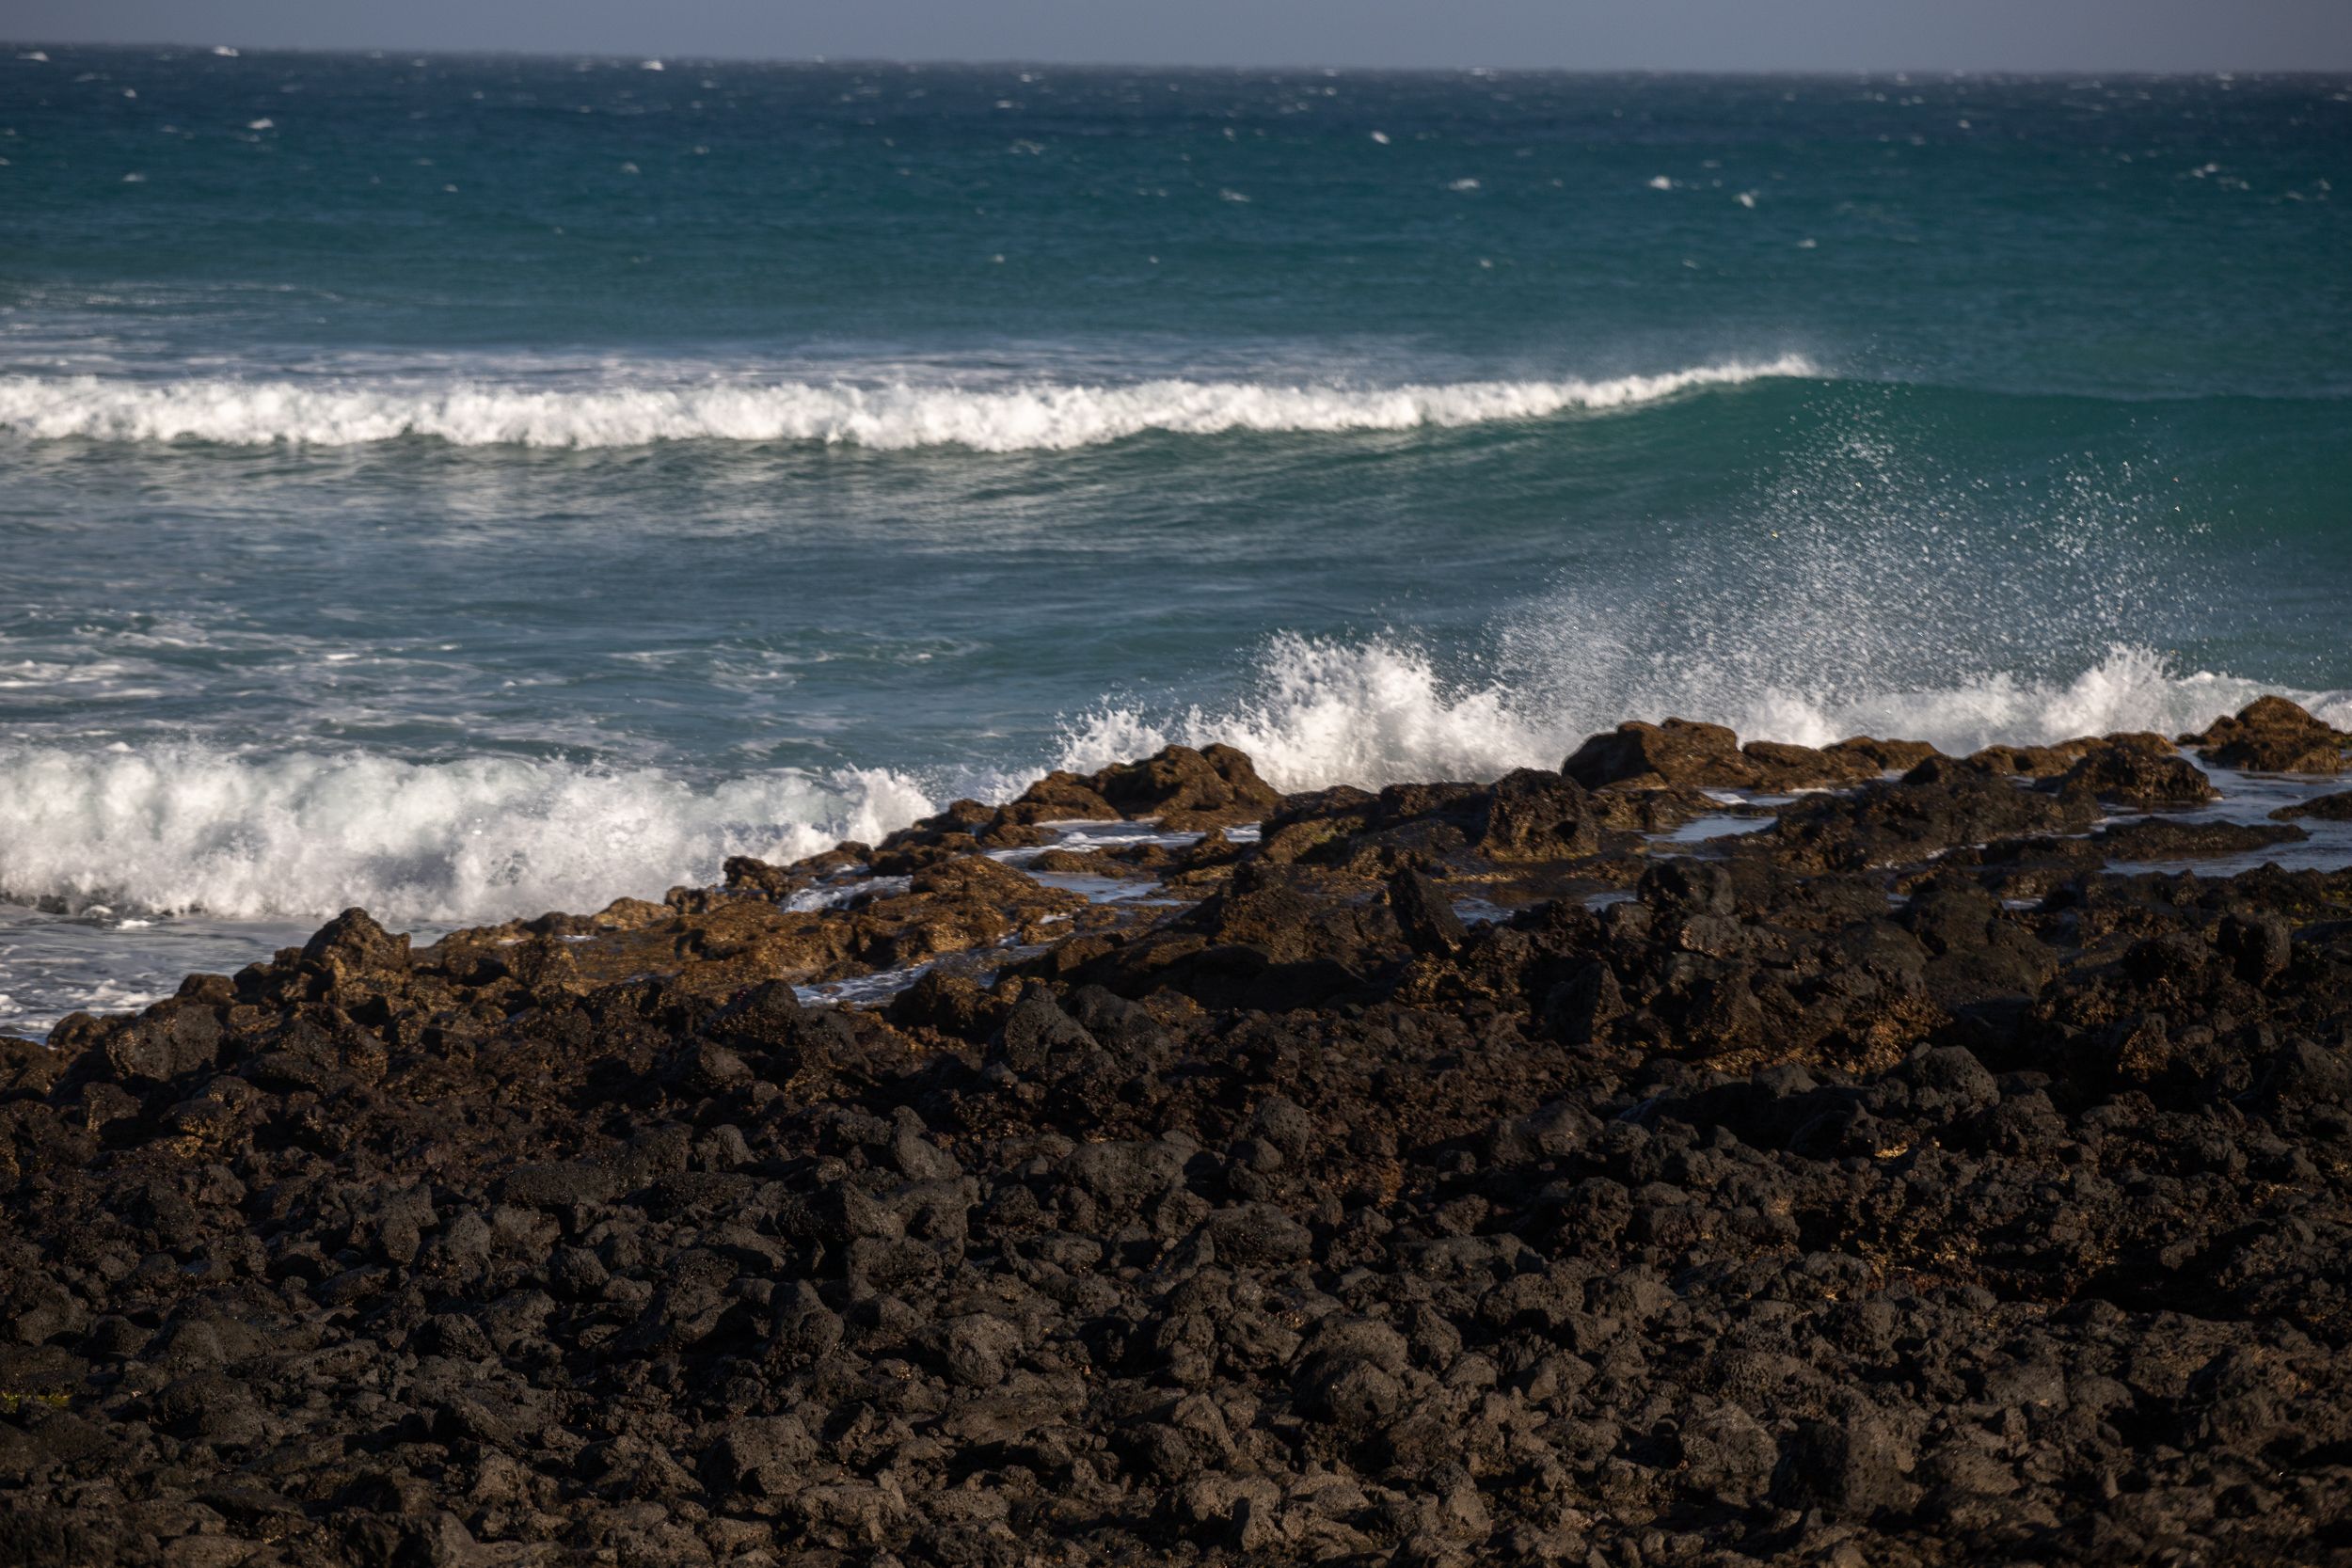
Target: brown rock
(1292, 919)
(27, 1067)
(2030, 762)
(1083, 863)
(1534, 816)
(353, 943)
(1680, 753)
(744, 874)
(2271, 734)
(1187, 789)
(170, 1038)
(1651, 756)
(1885, 756)
(1780, 766)
(2326, 808)
(2128, 774)
(1060, 796)
(1425, 914)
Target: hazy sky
(1705, 35)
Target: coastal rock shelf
(1537, 1171)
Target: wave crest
(896, 417)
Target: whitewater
(186, 830)
(498, 485)
(891, 417)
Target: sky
(1592, 35)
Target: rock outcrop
(1816, 1199)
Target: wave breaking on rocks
(1696, 1153)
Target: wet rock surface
(2273, 734)
(2326, 808)
(1891, 1184)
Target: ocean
(471, 487)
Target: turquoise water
(472, 486)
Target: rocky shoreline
(1705, 1153)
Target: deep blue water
(469, 487)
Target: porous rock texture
(1891, 1185)
(2274, 735)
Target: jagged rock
(1649, 756)
(2138, 775)
(1885, 756)
(1061, 796)
(2271, 734)
(353, 943)
(1936, 807)
(1189, 789)
(1538, 817)
(1779, 766)
(1682, 754)
(1815, 1193)
(1425, 914)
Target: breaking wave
(1380, 712)
(181, 828)
(186, 829)
(895, 417)
(1867, 592)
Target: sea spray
(1321, 713)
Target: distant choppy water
(473, 486)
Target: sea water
(468, 487)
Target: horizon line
(638, 60)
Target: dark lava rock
(1187, 788)
(1539, 816)
(2154, 838)
(1680, 754)
(1884, 756)
(1779, 766)
(1938, 806)
(2325, 808)
(2271, 734)
(2138, 775)
(1425, 914)
(1817, 1198)
(1650, 755)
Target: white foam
(181, 828)
(1325, 713)
(897, 416)
(1378, 712)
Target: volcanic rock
(1648, 756)
(1812, 1197)
(2271, 734)
(2324, 808)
